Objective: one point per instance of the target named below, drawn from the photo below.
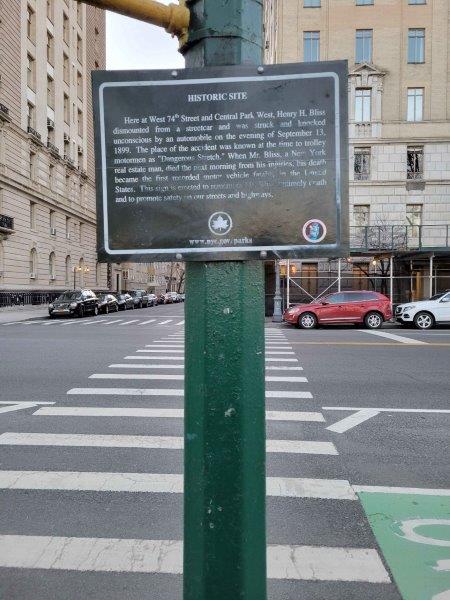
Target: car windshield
(68, 297)
(437, 296)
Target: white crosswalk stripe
(282, 487)
(92, 391)
(166, 556)
(138, 376)
(161, 413)
(148, 442)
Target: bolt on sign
(222, 163)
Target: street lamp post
(76, 270)
(277, 316)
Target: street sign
(222, 163)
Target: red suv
(370, 308)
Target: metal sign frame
(334, 70)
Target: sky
(131, 44)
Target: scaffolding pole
(431, 275)
(339, 274)
(288, 282)
(391, 279)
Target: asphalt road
(82, 516)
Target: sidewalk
(10, 314)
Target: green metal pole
(224, 494)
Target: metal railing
(6, 222)
(376, 238)
(26, 298)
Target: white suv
(425, 313)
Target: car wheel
(307, 320)
(96, 310)
(373, 320)
(81, 312)
(424, 320)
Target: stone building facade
(48, 49)
(398, 55)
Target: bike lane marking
(413, 532)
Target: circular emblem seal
(220, 223)
(314, 231)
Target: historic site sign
(222, 163)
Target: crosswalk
(110, 322)
(107, 418)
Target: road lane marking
(145, 366)
(399, 410)
(14, 405)
(284, 368)
(382, 489)
(180, 323)
(273, 352)
(92, 322)
(394, 337)
(112, 322)
(309, 563)
(353, 420)
(157, 483)
(149, 321)
(287, 379)
(180, 358)
(162, 413)
(125, 392)
(168, 351)
(149, 442)
(166, 345)
(283, 394)
(376, 344)
(166, 392)
(129, 322)
(137, 376)
(165, 322)
(281, 359)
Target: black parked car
(107, 303)
(74, 303)
(140, 298)
(125, 301)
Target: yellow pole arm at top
(174, 17)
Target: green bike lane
(413, 532)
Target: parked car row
(83, 302)
(370, 309)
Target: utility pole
(277, 316)
(224, 475)
(224, 499)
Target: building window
(80, 85)
(359, 276)
(52, 222)
(51, 266)
(67, 228)
(311, 3)
(363, 2)
(31, 72)
(50, 92)
(33, 263)
(31, 24)
(363, 51)
(416, 45)
(79, 48)
(66, 68)
(414, 163)
(413, 219)
(363, 101)
(80, 123)
(66, 109)
(81, 230)
(51, 176)
(31, 115)
(33, 215)
(32, 165)
(68, 269)
(362, 164)
(311, 46)
(50, 48)
(361, 215)
(50, 10)
(415, 104)
(417, 1)
(98, 273)
(66, 29)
